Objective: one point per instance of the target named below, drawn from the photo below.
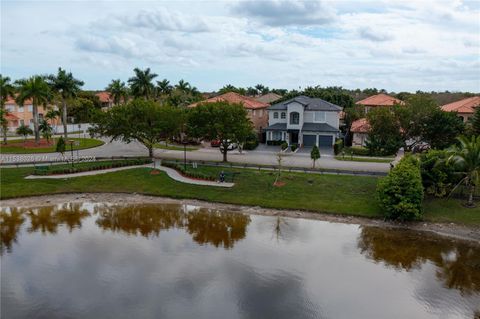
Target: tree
(141, 83)
(6, 90)
(384, 137)
(142, 120)
(24, 131)
(46, 130)
(118, 91)
(315, 154)
(82, 110)
(51, 116)
(37, 90)
(475, 122)
(183, 86)
(164, 88)
(400, 193)
(466, 160)
(219, 120)
(67, 87)
(61, 145)
(442, 129)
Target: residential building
(21, 115)
(305, 121)
(105, 99)
(257, 111)
(268, 98)
(360, 127)
(465, 108)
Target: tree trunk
(470, 196)
(64, 119)
(150, 151)
(5, 128)
(224, 153)
(35, 123)
(313, 163)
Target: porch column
(316, 139)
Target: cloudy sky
(396, 45)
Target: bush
(192, 174)
(338, 146)
(93, 167)
(284, 146)
(275, 143)
(438, 177)
(293, 147)
(361, 151)
(251, 142)
(400, 193)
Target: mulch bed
(31, 144)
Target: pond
(178, 261)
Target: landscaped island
(29, 146)
(345, 195)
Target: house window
(10, 108)
(30, 108)
(277, 136)
(275, 115)
(21, 108)
(22, 122)
(284, 115)
(294, 118)
(320, 117)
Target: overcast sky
(396, 45)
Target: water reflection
(10, 223)
(458, 266)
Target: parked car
(218, 143)
(215, 143)
(420, 148)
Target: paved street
(263, 156)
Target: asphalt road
(263, 156)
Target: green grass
(174, 147)
(19, 149)
(363, 159)
(344, 195)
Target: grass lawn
(363, 159)
(347, 195)
(175, 147)
(17, 147)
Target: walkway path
(173, 174)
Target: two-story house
(21, 115)
(304, 121)
(465, 108)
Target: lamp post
(71, 149)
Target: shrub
(338, 146)
(361, 151)
(293, 147)
(284, 146)
(192, 174)
(275, 143)
(438, 177)
(400, 193)
(251, 142)
(60, 145)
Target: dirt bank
(460, 232)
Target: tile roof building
(465, 108)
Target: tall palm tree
(67, 87)
(466, 160)
(38, 91)
(118, 91)
(164, 87)
(183, 86)
(6, 90)
(141, 84)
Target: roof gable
(467, 105)
(232, 97)
(310, 104)
(380, 100)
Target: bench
(229, 177)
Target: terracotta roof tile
(467, 105)
(232, 97)
(360, 126)
(11, 100)
(268, 98)
(11, 117)
(380, 100)
(104, 97)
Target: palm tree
(466, 160)
(68, 87)
(24, 131)
(46, 130)
(164, 87)
(141, 83)
(183, 86)
(37, 90)
(118, 91)
(6, 90)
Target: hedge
(51, 170)
(400, 193)
(338, 146)
(185, 172)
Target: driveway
(263, 156)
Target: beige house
(465, 108)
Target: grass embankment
(363, 159)
(18, 147)
(347, 195)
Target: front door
(294, 138)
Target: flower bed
(187, 173)
(92, 166)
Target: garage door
(325, 140)
(309, 140)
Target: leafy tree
(384, 137)
(251, 91)
(219, 120)
(475, 122)
(262, 89)
(24, 131)
(142, 120)
(465, 158)
(315, 154)
(52, 116)
(46, 130)
(118, 91)
(141, 83)
(164, 88)
(438, 176)
(6, 90)
(183, 86)
(82, 110)
(61, 146)
(67, 87)
(36, 89)
(400, 193)
(442, 129)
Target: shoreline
(450, 230)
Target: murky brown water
(171, 261)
